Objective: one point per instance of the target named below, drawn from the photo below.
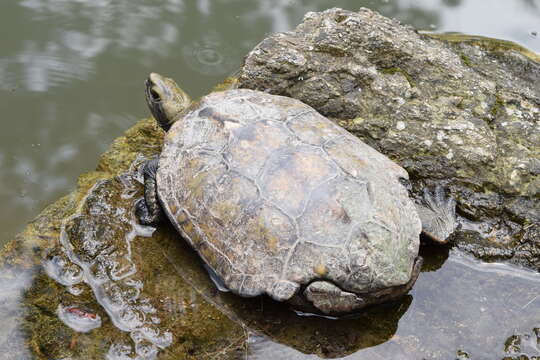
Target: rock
(463, 112)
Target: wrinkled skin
(279, 200)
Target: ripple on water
(13, 286)
(209, 56)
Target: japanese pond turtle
(279, 200)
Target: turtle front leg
(438, 215)
(148, 209)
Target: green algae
(466, 60)
(229, 83)
(487, 43)
(397, 70)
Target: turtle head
(165, 99)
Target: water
(71, 72)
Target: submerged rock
(463, 114)
(95, 284)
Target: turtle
(279, 200)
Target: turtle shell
(274, 196)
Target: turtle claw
(143, 214)
(437, 212)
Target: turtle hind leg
(148, 209)
(437, 212)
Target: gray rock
(464, 114)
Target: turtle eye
(155, 96)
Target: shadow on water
(118, 290)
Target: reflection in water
(276, 325)
(51, 66)
(209, 55)
(86, 30)
(467, 307)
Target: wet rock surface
(82, 285)
(463, 113)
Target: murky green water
(71, 72)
